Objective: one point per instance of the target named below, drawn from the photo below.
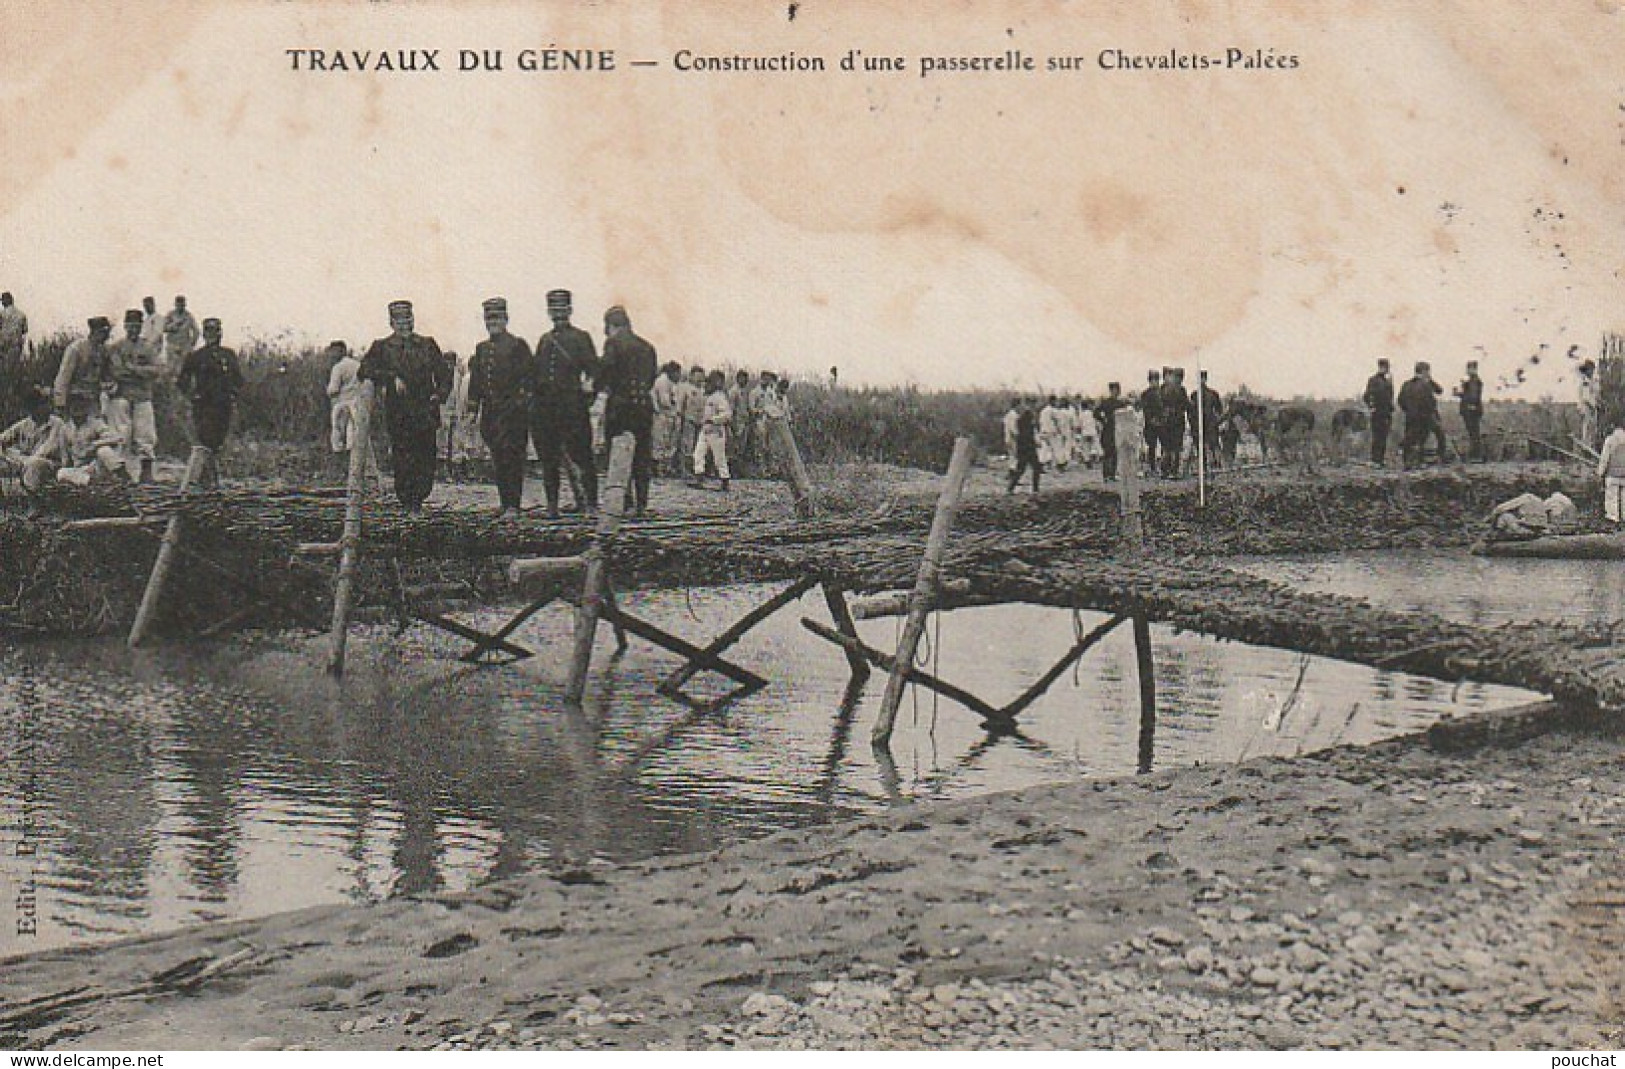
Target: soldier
(1151, 417)
(663, 394)
(502, 388)
(410, 373)
(180, 332)
(211, 380)
(1107, 410)
(1024, 437)
(739, 436)
(1379, 398)
(1471, 395)
(690, 414)
(343, 392)
(1418, 400)
(627, 379)
(133, 368)
(559, 420)
(1175, 409)
(84, 367)
(152, 327)
(13, 332)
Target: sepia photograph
(788, 525)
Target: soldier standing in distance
(1151, 412)
(1379, 398)
(502, 387)
(559, 421)
(411, 373)
(1471, 394)
(210, 380)
(1175, 410)
(133, 368)
(628, 377)
(1108, 429)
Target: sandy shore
(1460, 889)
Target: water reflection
(182, 785)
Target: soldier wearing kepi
(502, 385)
(211, 380)
(1379, 398)
(84, 368)
(559, 420)
(133, 367)
(628, 376)
(411, 374)
(1471, 395)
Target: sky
(1432, 180)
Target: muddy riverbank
(1457, 889)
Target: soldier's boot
(146, 471)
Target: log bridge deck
(1060, 549)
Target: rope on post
(925, 590)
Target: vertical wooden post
(925, 589)
(166, 554)
(795, 472)
(611, 504)
(841, 615)
(1128, 475)
(350, 541)
(1146, 668)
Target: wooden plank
(528, 570)
(666, 640)
(1047, 680)
(596, 571)
(489, 642)
(887, 663)
(733, 634)
(925, 588)
(445, 623)
(795, 472)
(113, 523)
(154, 593)
(835, 599)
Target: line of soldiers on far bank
(1167, 426)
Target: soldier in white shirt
(343, 391)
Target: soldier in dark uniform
(410, 373)
(628, 374)
(1471, 393)
(1379, 398)
(560, 423)
(1026, 446)
(1175, 410)
(211, 380)
(502, 385)
(1151, 412)
(1212, 410)
(1419, 401)
(1108, 429)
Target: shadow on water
(185, 783)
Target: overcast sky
(1432, 181)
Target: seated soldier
(87, 448)
(25, 445)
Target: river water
(149, 790)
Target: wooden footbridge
(281, 554)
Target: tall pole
(612, 504)
(195, 465)
(925, 591)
